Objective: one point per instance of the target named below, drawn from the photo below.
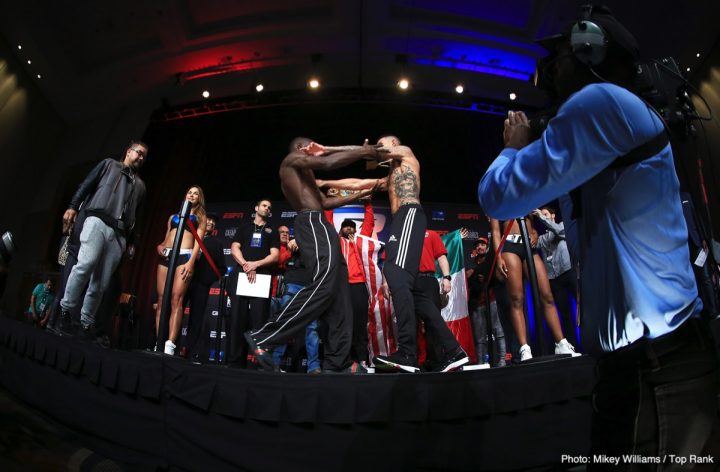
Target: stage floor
(157, 411)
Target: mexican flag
(455, 313)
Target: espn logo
(239, 215)
(468, 216)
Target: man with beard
(255, 248)
(112, 194)
(641, 315)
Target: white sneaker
(526, 353)
(170, 348)
(564, 347)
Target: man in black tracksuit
(326, 295)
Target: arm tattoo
(405, 182)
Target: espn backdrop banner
(442, 218)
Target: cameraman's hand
(517, 130)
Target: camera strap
(638, 154)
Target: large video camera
(662, 85)
(659, 82)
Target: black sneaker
(263, 357)
(395, 362)
(67, 328)
(88, 333)
(454, 359)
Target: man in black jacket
(111, 193)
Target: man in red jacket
(359, 296)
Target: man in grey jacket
(110, 195)
(562, 275)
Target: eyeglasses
(139, 151)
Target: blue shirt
(635, 271)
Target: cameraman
(657, 373)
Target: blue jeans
(658, 397)
(312, 340)
(99, 255)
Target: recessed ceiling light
(697, 55)
(29, 61)
(19, 46)
(205, 94)
(459, 88)
(314, 83)
(688, 69)
(512, 95)
(403, 84)
(39, 76)
(259, 87)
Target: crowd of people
(606, 159)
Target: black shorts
(181, 259)
(518, 249)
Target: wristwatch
(447, 277)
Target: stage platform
(157, 411)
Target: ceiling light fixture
(512, 95)
(688, 69)
(39, 76)
(314, 83)
(29, 61)
(697, 55)
(403, 84)
(259, 87)
(459, 88)
(205, 94)
(19, 46)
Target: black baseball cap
(348, 222)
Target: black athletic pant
(359, 300)
(403, 249)
(245, 313)
(198, 293)
(326, 296)
(440, 340)
(563, 287)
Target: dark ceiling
(95, 56)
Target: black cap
(618, 36)
(212, 216)
(348, 222)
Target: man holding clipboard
(255, 248)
